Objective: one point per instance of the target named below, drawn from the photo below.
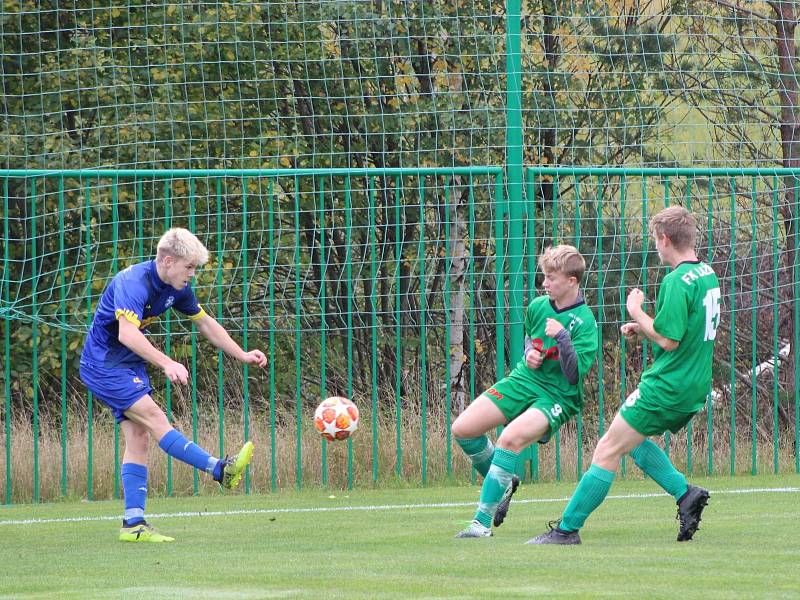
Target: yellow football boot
(234, 467)
(142, 532)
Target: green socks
(494, 485)
(654, 462)
(480, 451)
(590, 493)
(596, 482)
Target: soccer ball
(336, 418)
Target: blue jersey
(138, 295)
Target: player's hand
(630, 331)
(634, 302)
(255, 357)
(552, 327)
(534, 358)
(176, 372)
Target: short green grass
(283, 546)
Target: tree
(743, 78)
(594, 89)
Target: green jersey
(687, 311)
(548, 380)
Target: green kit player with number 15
(670, 392)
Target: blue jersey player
(113, 367)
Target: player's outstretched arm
(216, 334)
(645, 321)
(131, 337)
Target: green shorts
(513, 397)
(649, 418)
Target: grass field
(399, 544)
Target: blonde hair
(181, 243)
(678, 224)
(564, 259)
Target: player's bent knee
(464, 427)
(153, 421)
(458, 430)
(608, 454)
(515, 442)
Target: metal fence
(401, 288)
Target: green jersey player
(670, 392)
(540, 394)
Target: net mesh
(388, 83)
(381, 84)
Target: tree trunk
(785, 25)
(456, 271)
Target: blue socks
(176, 445)
(134, 486)
(134, 476)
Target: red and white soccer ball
(336, 418)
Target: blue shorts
(117, 388)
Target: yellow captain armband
(199, 315)
(128, 315)
(148, 321)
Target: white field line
(374, 507)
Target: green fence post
(323, 321)
(137, 186)
(623, 357)
(193, 344)
(579, 416)
(298, 398)
(220, 317)
(500, 261)
(796, 306)
(667, 268)
(62, 311)
(423, 339)
(690, 424)
(35, 341)
(733, 328)
(710, 403)
(554, 235)
(398, 316)
(530, 273)
(753, 322)
(775, 302)
(245, 325)
(7, 343)
(472, 298)
(89, 405)
(372, 299)
(114, 268)
(168, 326)
(273, 465)
(514, 175)
(348, 217)
(601, 281)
